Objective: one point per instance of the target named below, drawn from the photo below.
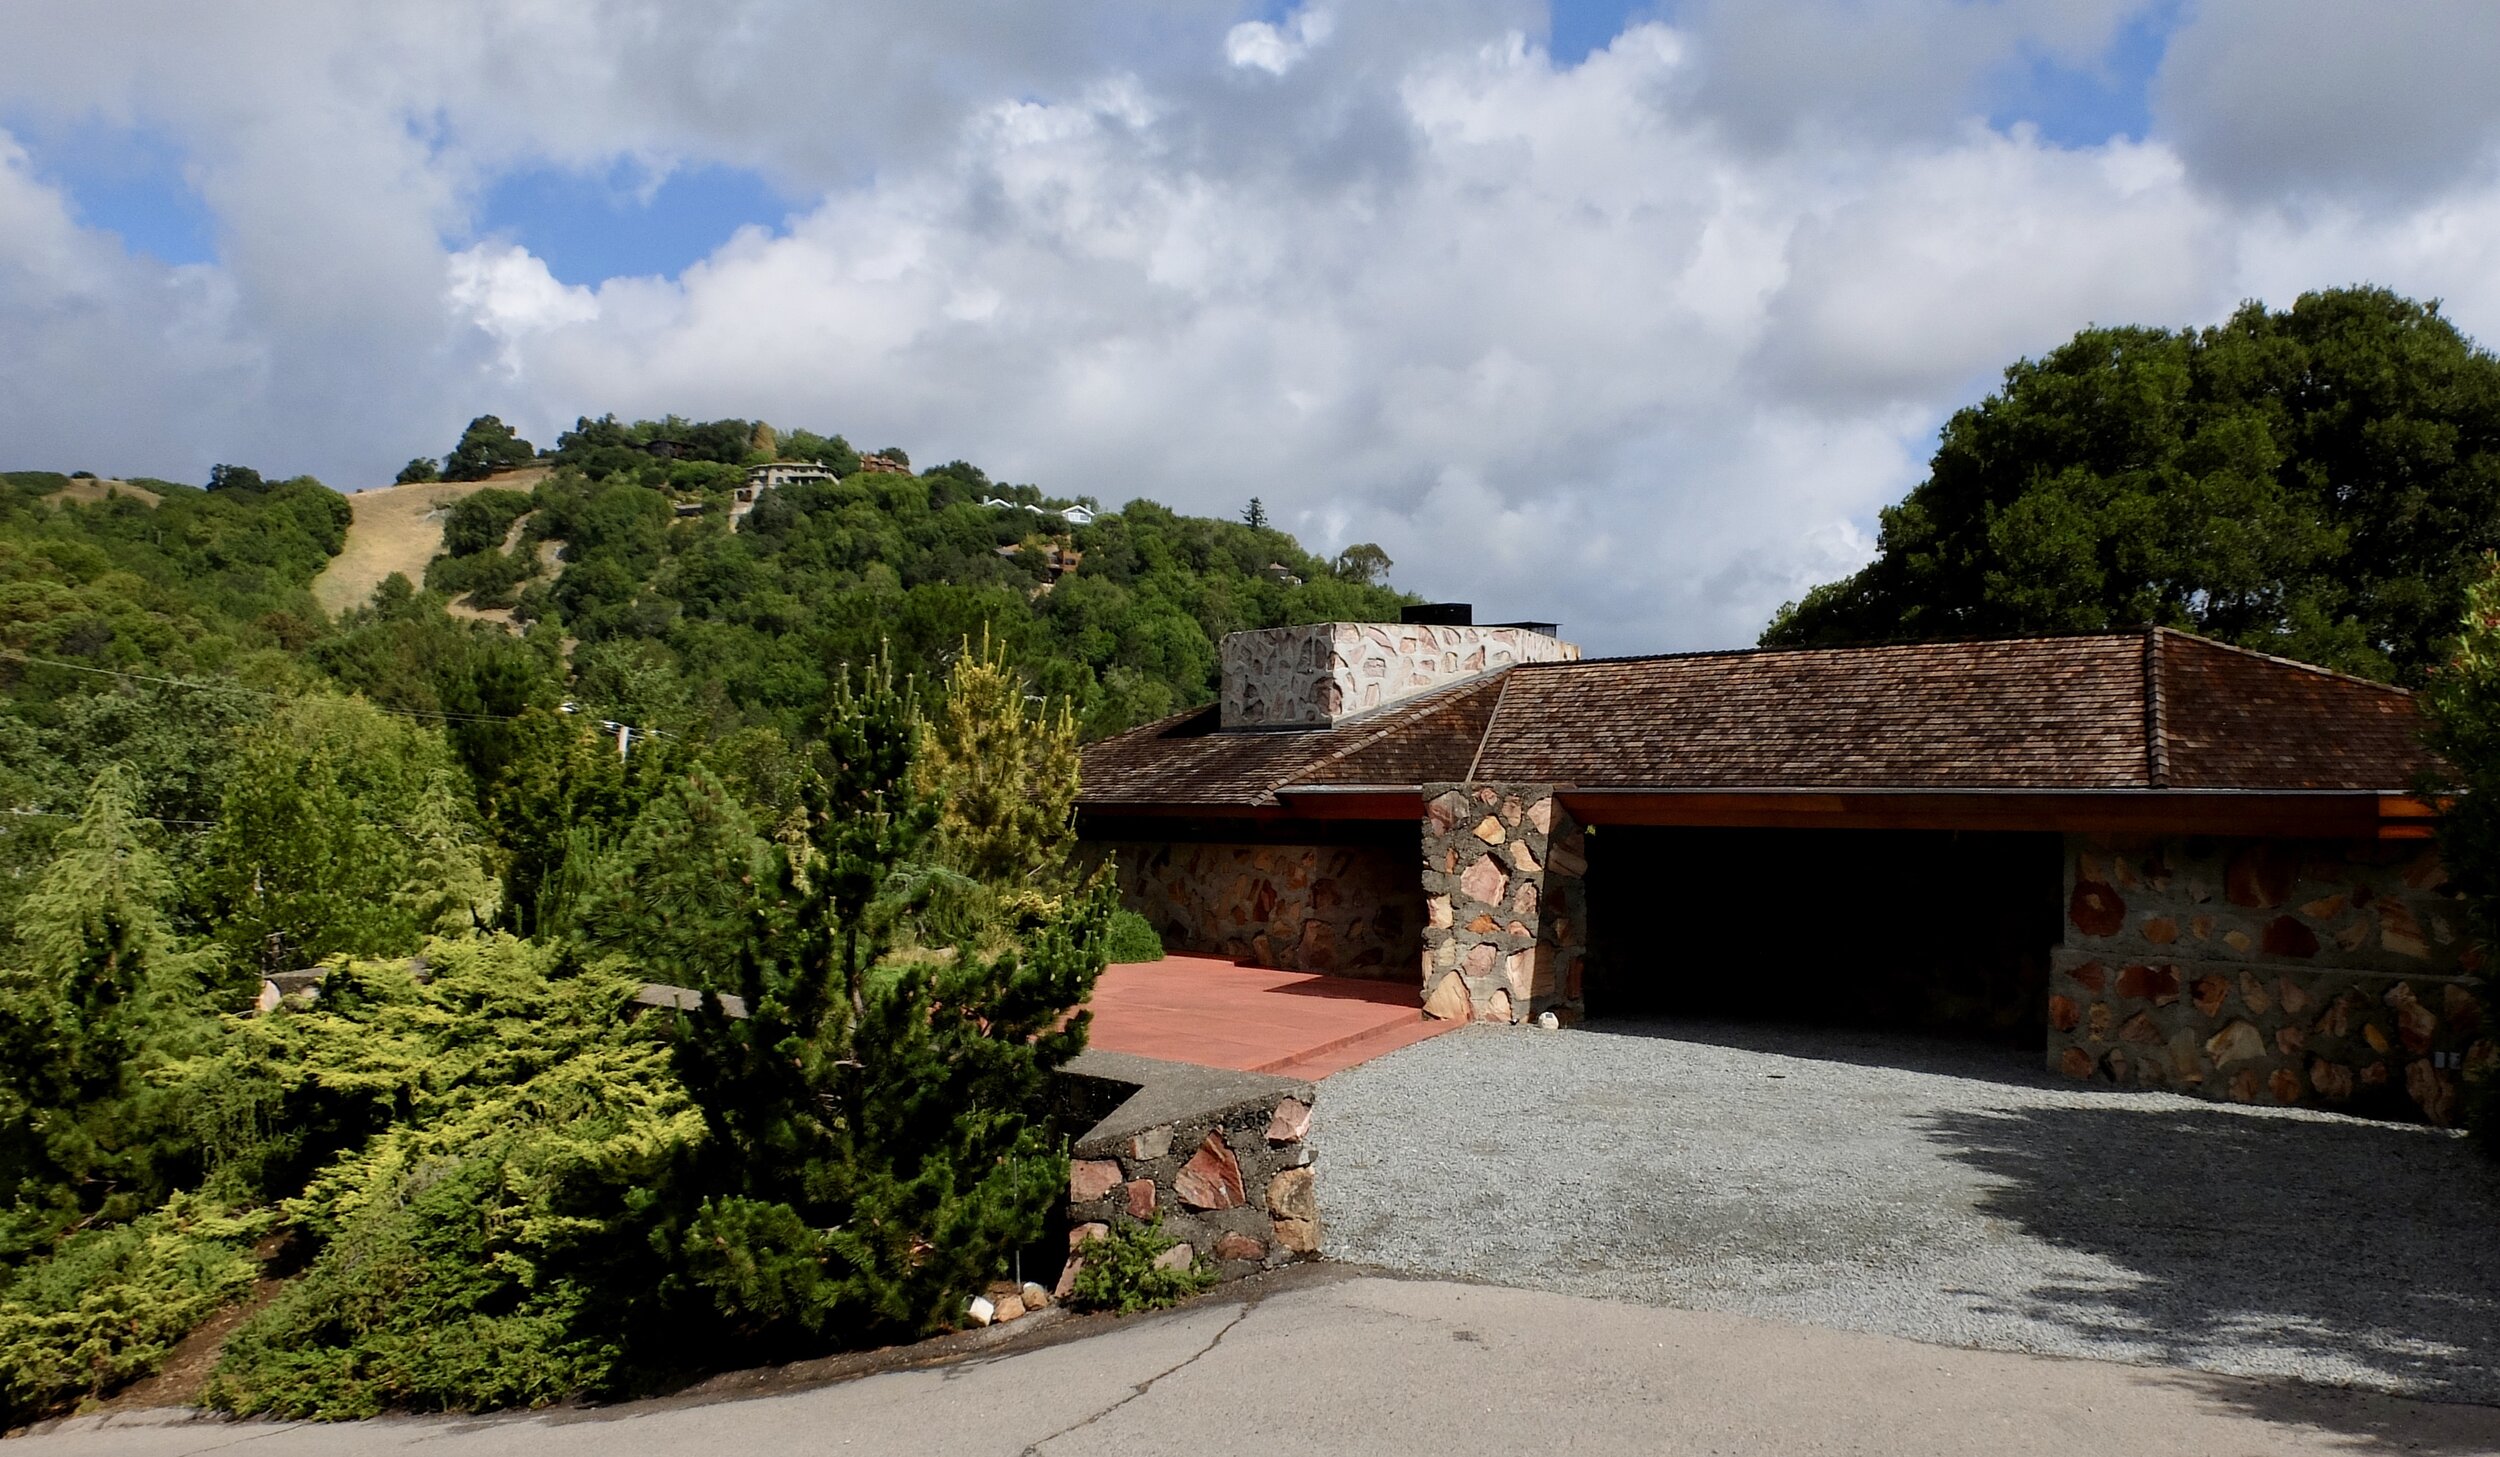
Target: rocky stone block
(1212, 1177)
(1240, 1247)
(1141, 1199)
(1292, 1120)
(2096, 909)
(2238, 1042)
(1293, 1194)
(2156, 984)
(1092, 1179)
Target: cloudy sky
(1631, 316)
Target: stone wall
(2310, 972)
(1505, 903)
(1346, 910)
(1316, 674)
(1231, 1183)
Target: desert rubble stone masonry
(1324, 672)
(1505, 903)
(2314, 972)
(1344, 910)
(1231, 1181)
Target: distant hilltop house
(1073, 515)
(882, 465)
(762, 478)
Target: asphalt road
(1327, 1360)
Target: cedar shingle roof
(2234, 719)
(1185, 759)
(2104, 711)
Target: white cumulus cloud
(1262, 46)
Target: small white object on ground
(1548, 1021)
(980, 1310)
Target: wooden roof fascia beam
(2335, 814)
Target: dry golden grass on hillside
(89, 492)
(399, 529)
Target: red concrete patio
(1219, 1013)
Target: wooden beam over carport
(2320, 814)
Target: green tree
(1363, 563)
(2318, 482)
(2461, 719)
(487, 446)
(1000, 767)
(679, 892)
(451, 889)
(875, 1144)
(423, 468)
(313, 849)
(1254, 515)
(103, 998)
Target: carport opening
(1939, 931)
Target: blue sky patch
(591, 226)
(2086, 106)
(129, 183)
(1581, 26)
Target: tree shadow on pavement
(2340, 1243)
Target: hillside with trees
(815, 770)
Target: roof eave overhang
(2320, 813)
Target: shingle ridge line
(1889, 644)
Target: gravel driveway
(1881, 1183)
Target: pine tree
(875, 1147)
(312, 852)
(1001, 769)
(104, 996)
(450, 891)
(677, 894)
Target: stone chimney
(1327, 672)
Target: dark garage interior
(1941, 931)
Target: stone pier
(1505, 903)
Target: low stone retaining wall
(2307, 972)
(2366, 1042)
(1223, 1157)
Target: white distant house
(1073, 515)
(762, 478)
(786, 473)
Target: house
(1073, 515)
(882, 465)
(2163, 861)
(770, 476)
(787, 473)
